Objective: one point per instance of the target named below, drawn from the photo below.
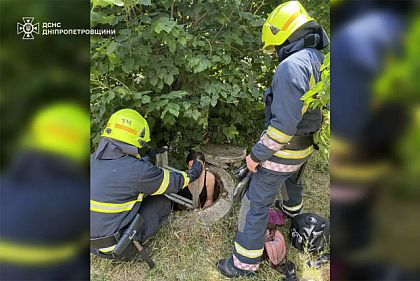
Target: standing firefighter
(124, 185)
(277, 159)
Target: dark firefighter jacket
(286, 114)
(119, 182)
(43, 219)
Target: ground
(191, 254)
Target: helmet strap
(144, 144)
(143, 133)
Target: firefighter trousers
(253, 217)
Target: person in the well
(207, 182)
(123, 184)
(278, 157)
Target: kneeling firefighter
(278, 158)
(126, 188)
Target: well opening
(219, 192)
(218, 158)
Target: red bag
(275, 246)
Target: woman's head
(193, 155)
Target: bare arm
(210, 183)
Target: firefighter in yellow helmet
(278, 158)
(123, 184)
(60, 129)
(44, 195)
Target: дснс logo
(27, 28)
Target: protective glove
(155, 151)
(241, 173)
(195, 171)
(151, 156)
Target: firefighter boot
(228, 269)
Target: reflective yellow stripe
(360, 172)
(295, 208)
(340, 147)
(186, 179)
(111, 248)
(165, 183)
(277, 135)
(111, 207)
(248, 253)
(108, 249)
(102, 207)
(21, 253)
(305, 108)
(295, 154)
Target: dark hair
(193, 155)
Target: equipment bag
(309, 232)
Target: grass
(189, 250)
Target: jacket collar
(109, 149)
(284, 51)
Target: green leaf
(138, 95)
(145, 99)
(177, 94)
(213, 102)
(164, 24)
(174, 112)
(174, 106)
(145, 2)
(201, 65)
(111, 47)
(110, 96)
(104, 3)
(128, 65)
(153, 80)
(169, 79)
(195, 114)
(97, 17)
(171, 45)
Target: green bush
(195, 69)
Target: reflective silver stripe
(245, 266)
(270, 143)
(273, 166)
